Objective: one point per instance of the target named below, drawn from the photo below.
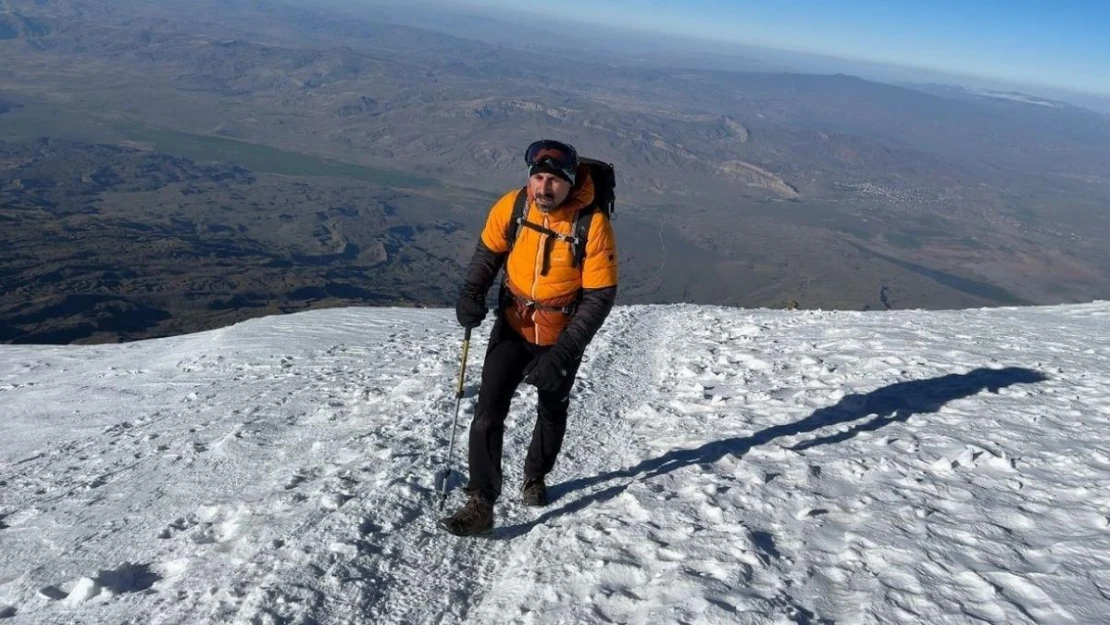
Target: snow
(1021, 97)
(721, 466)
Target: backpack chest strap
(577, 240)
(568, 238)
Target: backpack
(605, 183)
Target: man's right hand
(470, 309)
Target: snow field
(720, 466)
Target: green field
(263, 158)
(34, 121)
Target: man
(552, 301)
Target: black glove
(546, 373)
(470, 308)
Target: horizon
(1030, 46)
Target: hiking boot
(475, 517)
(534, 492)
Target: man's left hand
(546, 373)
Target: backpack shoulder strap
(517, 216)
(582, 223)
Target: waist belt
(567, 310)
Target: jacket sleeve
(587, 320)
(599, 268)
(497, 222)
(482, 271)
(599, 291)
(492, 248)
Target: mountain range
(738, 187)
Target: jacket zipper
(536, 268)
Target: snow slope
(722, 466)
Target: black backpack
(605, 183)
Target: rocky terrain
(264, 141)
(109, 243)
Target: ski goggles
(560, 157)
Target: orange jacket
(542, 323)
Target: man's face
(548, 190)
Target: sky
(1051, 43)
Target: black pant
(507, 356)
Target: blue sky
(1060, 44)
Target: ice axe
(454, 424)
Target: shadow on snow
(896, 402)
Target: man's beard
(545, 202)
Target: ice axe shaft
(455, 422)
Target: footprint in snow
(211, 524)
(764, 542)
(367, 527)
(106, 584)
(334, 501)
(177, 525)
(118, 428)
(296, 479)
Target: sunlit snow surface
(721, 466)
